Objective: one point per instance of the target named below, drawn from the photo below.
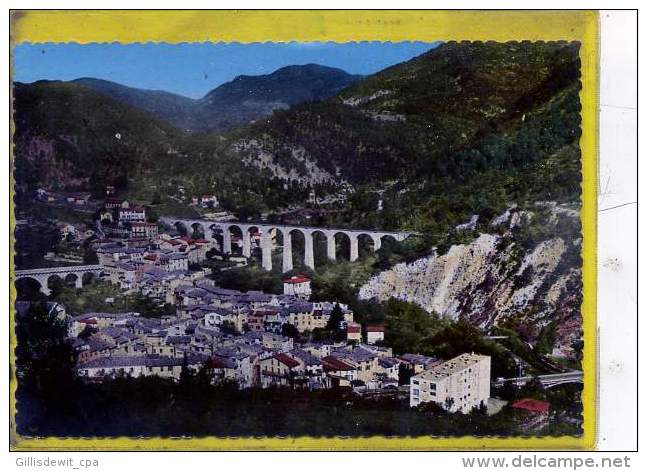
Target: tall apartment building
(458, 385)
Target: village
(250, 339)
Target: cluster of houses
(241, 337)
(137, 257)
(208, 336)
(126, 344)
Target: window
(415, 381)
(415, 392)
(432, 386)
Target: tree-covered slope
(466, 128)
(175, 109)
(462, 128)
(247, 98)
(239, 102)
(69, 136)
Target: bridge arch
(320, 246)
(198, 229)
(54, 281)
(28, 286)
(366, 243)
(46, 276)
(343, 244)
(88, 278)
(73, 279)
(182, 227)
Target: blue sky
(194, 69)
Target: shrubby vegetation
(101, 296)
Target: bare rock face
(505, 275)
(303, 170)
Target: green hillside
(70, 137)
(174, 109)
(235, 103)
(464, 128)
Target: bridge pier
(247, 244)
(78, 283)
(354, 247)
(309, 255)
(331, 249)
(266, 250)
(226, 240)
(287, 251)
(377, 243)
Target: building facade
(458, 385)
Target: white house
(297, 285)
(458, 385)
(374, 334)
(144, 229)
(132, 214)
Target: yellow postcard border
(245, 26)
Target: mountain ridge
(240, 101)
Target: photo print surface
(327, 239)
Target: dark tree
(44, 369)
(289, 331)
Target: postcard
(374, 235)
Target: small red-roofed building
(374, 334)
(280, 369)
(338, 372)
(353, 332)
(532, 414)
(298, 285)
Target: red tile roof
(297, 279)
(354, 329)
(374, 328)
(331, 363)
(132, 209)
(532, 405)
(215, 362)
(287, 360)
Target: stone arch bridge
(75, 273)
(207, 227)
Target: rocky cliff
(524, 271)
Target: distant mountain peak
(239, 102)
